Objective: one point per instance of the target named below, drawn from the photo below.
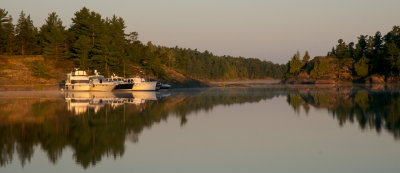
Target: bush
(40, 70)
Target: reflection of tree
(371, 109)
(100, 132)
(26, 124)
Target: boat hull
(102, 87)
(144, 86)
(77, 87)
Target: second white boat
(141, 84)
(99, 83)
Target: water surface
(256, 129)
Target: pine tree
(25, 34)
(377, 60)
(361, 47)
(341, 49)
(295, 64)
(361, 66)
(9, 31)
(306, 57)
(83, 43)
(3, 34)
(113, 42)
(53, 37)
(393, 52)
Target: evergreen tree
(361, 66)
(393, 52)
(26, 35)
(113, 43)
(3, 34)
(351, 49)
(53, 37)
(306, 57)
(83, 43)
(361, 47)
(341, 49)
(295, 64)
(376, 58)
(85, 25)
(9, 32)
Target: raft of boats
(79, 80)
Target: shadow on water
(97, 124)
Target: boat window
(79, 81)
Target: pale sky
(267, 29)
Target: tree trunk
(22, 50)
(10, 48)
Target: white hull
(102, 87)
(77, 87)
(144, 86)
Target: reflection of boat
(77, 80)
(82, 102)
(99, 83)
(140, 97)
(137, 97)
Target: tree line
(95, 42)
(371, 55)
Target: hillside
(93, 41)
(34, 72)
(323, 70)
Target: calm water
(273, 129)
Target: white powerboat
(99, 83)
(77, 80)
(141, 84)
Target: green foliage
(3, 34)
(306, 57)
(341, 49)
(295, 64)
(40, 70)
(320, 69)
(26, 35)
(361, 67)
(82, 48)
(380, 52)
(53, 37)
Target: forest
(94, 42)
(371, 55)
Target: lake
(251, 129)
